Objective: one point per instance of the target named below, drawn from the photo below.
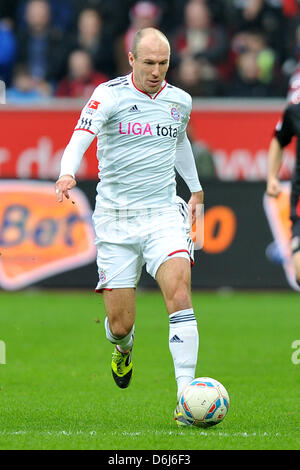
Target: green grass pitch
(56, 389)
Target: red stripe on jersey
(160, 90)
(86, 130)
(145, 93)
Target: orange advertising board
(40, 237)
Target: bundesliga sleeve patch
(93, 104)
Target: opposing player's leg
(295, 245)
(296, 261)
(119, 327)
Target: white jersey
(137, 138)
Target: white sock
(183, 344)
(123, 344)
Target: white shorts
(127, 239)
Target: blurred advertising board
(238, 137)
(39, 237)
(47, 244)
(33, 140)
(236, 134)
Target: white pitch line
(94, 433)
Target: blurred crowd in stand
(220, 48)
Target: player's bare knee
(180, 300)
(181, 303)
(120, 328)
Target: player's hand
(273, 187)
(63, 186)
(195, 205)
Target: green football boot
(121, 367)
(180, 419)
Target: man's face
(38, 15)
(151, 64)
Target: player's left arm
(186, 167)
(274, 161)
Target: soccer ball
(204, 402)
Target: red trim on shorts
(86, 130)
(99, 291)
(179, 251)
(183, 251)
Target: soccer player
(286, 129)
(140, 121)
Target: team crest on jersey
(175, 113)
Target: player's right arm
(70, 162)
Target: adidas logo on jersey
(134, 109)
(176, 339)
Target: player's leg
(169, 254)
(119, 268)
(119, 327)
(120, 316)
(295, 246)
(174, 279)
